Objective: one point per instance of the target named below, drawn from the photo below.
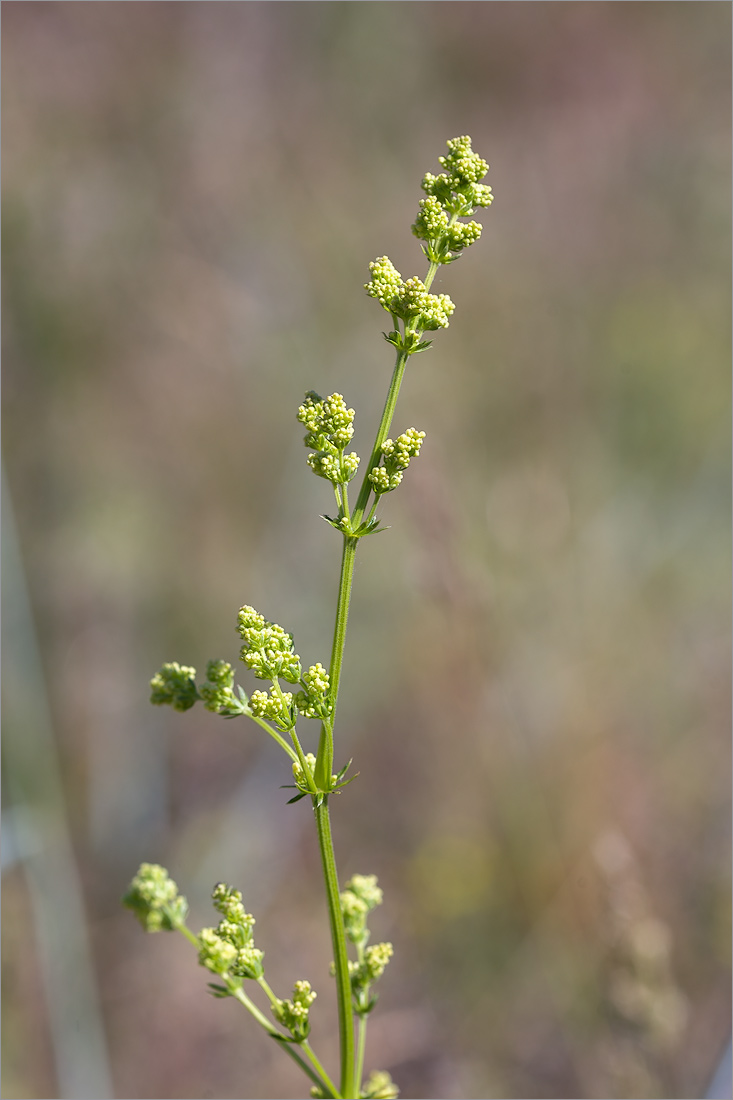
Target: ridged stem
(341, 960)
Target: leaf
(344, 769)
(347, 781)
(334, 522)
(219, 990)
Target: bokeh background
(536, 689)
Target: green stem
(360, 1050)
(299, 754)
(384, 426)
(304, 1045)
(319, 1067)
(338, 939)
(324, 762)
(238, 993)
(274, 734)
(321, 1079)
(188, 934)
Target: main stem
(384, 426)
(349, 1087)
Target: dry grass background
(536, 689)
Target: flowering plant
(228, 950)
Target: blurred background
(536, 689)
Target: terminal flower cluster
(451, 195)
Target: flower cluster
(217, 692)
(396, 458)
(330, 427)
(154, 899)
(380, 1086)
(174, 685)
(450, 195)
(408, 300)
(370, 968)
(229, 948)
(278, 708)
(314, 701)
(267, 650)
(293, 1014)
(358, 898)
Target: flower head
(154, 899)
(174, 685)
(293, 1014)
(267, 649)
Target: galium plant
(228, 950)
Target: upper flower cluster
(451, 195)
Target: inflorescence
(451, 195)
(228, 949)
